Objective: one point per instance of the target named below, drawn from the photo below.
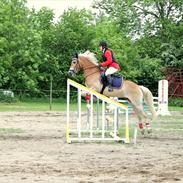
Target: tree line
(145, 35)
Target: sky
(58, 6)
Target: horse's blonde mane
(90, 56)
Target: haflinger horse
(88, 63)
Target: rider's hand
(101, 67)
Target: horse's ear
(75, 55)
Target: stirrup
(110, 89)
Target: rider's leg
(108, 73)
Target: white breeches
(110, 70)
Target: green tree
(74, 33)
(145, 15)
(125, 52)
(150, 72)
(19, 47)
(151, 22)
(42, 22)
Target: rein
(88, 68)
(90, 73)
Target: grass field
(10, 130)
(37, 106)
(31, 106)
(42, 105)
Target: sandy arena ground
(33, 149)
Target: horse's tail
(148, 98)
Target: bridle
(79, 65)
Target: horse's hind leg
(142, 117)
(136, 100)
(137, 103)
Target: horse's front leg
(148, 127)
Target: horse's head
(75, 67)
(86, 62)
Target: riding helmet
(103, 44)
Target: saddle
(117, 81)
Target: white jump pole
(68, 109)
(163, 98)
(135, 134)
(115, 122)
(91, 117)
(103, 119)
(79, 114)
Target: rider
(109, 62)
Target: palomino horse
(87, 62)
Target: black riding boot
(109, 78)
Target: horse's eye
(74, 61)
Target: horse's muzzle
(71, 73)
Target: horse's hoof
(142, 131)
(149, 131)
